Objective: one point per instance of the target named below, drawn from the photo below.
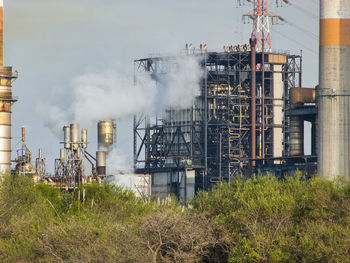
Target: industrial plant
(247, 118)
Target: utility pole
(262, 19)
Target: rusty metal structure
(216, 137)
(24, 161)
(69, 168)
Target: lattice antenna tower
(262, 19)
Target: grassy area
(260, 219)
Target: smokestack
(101, 163)
(334, 94)
(6, 101)
(1, 33)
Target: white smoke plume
(53, 117)
(121, 167)
(114, 95)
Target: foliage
(293, 220)
(260, 219)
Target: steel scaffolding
(213, 137)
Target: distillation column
(334, 94)
(6, 100)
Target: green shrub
(290, 220)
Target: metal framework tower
(211, 140)
(262, 19)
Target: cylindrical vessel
(105, 135)
(62, 155)
(75, 136)
(84, 138)
(296, 136)
(1, 32)
(334, 90)
(302, 95)
(101, 162)
(5, 117)
(67, 139)
(23, 134)
(6, 101)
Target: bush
(293, 220)
(261, 219)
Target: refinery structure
(248, 116)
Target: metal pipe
(23, 134)
(253, 101)
(333, 110)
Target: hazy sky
(51, 43)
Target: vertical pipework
(253, 101)
(23, 134)
(334, 90)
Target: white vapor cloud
(113, 95)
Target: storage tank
(62, 155)
(334, 90)
(66, 132)
(105, 135)
(75, 136)
(101, 163)
(296, 136)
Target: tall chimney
(6, 101)
(334, 94)
(1, 32)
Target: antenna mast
(262, 19)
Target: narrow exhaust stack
(334, 93)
